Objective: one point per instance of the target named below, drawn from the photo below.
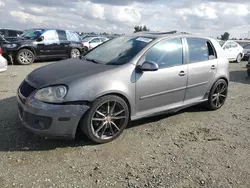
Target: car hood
(65, 72)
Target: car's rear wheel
(75, 53)
(218, 95)
(238, 59)
(25, 57)
(106, 119)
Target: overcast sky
(207, 17)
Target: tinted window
(62, 35)
(247, 46)
(95, 40)
(119, 51)
(211, 51)
(72, 36)
(50, 37)
(12, 33)
(33, 33)
(167, 53)
(198, 50)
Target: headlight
(53, 94)
(9, 45)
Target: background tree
(225, 36)
(140, 28)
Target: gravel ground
(194, 148)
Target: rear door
(64, 43)
(202, 66)
(228, 50)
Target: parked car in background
(233, 50)
(92, 42)
(154, 73)
(3, 62)
(10, 34)
(2, 40)
(246, 51)
(42, 43)
(248, 67)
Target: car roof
(168, 34)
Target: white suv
(233, 50)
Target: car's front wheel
(106, 119)
(25, 57)
(217, 95)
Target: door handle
(212, 67)
(182, 73)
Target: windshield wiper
(93, 61)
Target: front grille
(26, 89)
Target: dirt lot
(194, 148)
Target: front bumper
(50, 120)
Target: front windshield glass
(119, 50)
(222, 42)
(32, 33)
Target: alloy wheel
(108, 119)
(25, 57)
(219, 95)
(75, 53)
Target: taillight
(1, 51)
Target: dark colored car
(248, 67)
(37, 44)
(2, 40)
(246, 51)
(10, 34)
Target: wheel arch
(28, 48)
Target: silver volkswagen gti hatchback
(124, 79)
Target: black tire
(211, 103)
(75, 53)
(248, 72)
(25, 57)
(239, 58)
(90, 127)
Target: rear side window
(62, 35)
(167, 53)
(95, 40)
(198, 50)
(12, 33)
(73, 37)
(233, 45)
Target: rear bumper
(50, 120)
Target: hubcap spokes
(75, 53)
(220, 95)
(25, 57)
(108, 119)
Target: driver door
(50, 45)
(165, 88)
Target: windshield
(222, 42)
(86, 39)
(119, 50)
(32, 33)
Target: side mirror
(40, 39)
(149, 66)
